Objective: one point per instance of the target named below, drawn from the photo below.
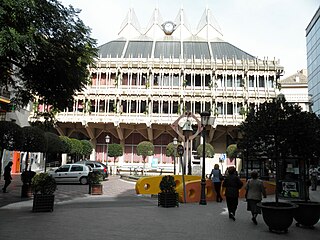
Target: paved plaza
(121, 214)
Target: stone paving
(121, 214)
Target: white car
(71, 173)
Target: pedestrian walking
(216, 177)
(232, 185)
(7, 176)
(254, 192)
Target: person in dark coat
(232, 185)
(7, 176)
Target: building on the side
(144, 81)
(313, 60)
(295, 89)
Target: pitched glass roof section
(137, 49)
(112, 49)
(227, 50)
(196, 49)
(167, 49)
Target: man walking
(7, 176)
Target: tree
(208, 148)
(76, 148)
(171, 150)
(45, 50)
(145, 149)
(10, 138)
(232, 152)
(66, 144)
(278, 130)
(34, 140)
(86, 148)
(115, 150)
(55, 146)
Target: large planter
(43, 203)
(168, 199)
(278, 216)
(96, 189)
(307, 214)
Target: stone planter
(278, 216)
(307, 214)
(43, 203)
(168, 199)
(96, 189)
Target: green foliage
(86, 147)
(10, 135)
(67, 146)
(54, 143)
(95, 178)
(145, 149)
(34, 140)
(115, 150)
(168, 184)
(209, 150)
(171, 150)
(43, 183)
(232, 151)
(76, 147)
(277, 129)
(45, 50)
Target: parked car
(71, 173)
(97, 167)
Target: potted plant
(43, 186)
(95, 186)
(168, 197)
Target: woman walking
(232, 183)
(216, 177)
(254, 192)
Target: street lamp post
(205, 116)
(175, 142)
(107, 142)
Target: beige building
(144, 80)
(295, 89)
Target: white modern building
(144, 81)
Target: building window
(251, 81)
(220, 81)
(155, 107)
(239, 81)
(197, 106)
(133, 107)
(229, 108)
(261, 81)
(270, 81)
(220, 108)
(156, 80)
(175, 108)
(197, 80)
(165, 108)
(175, 80)
(188, 80)
(207, 80)
(229, 81)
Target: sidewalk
(121, 214)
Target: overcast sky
(263, 28)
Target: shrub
(43, 183)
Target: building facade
(313, 60)
(295, 89)
(145, 80)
